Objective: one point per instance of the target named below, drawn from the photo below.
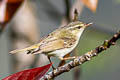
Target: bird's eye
(78, 27)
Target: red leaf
(8, 9)
(30, 74)
(91, 4)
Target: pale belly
(62, 52)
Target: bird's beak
(88, 24)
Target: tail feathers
(19, 50)
(31, 48)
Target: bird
(59, 43)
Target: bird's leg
(62, 62)
(51, 62)
(67, 58)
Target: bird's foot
(67, 58)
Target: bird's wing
(48, 45)
(52, 45)
(56, 44)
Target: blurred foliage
(116, 1)
(106, 21)
(91, 4)
(7, 10)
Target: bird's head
(77, 27)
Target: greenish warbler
(58, 43)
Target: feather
(25, 49)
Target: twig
(67, 13)
(82, 59)
(75, 15)
(2, 26)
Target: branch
(82, 59)
(75, 15)
(67, 13)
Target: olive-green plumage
(58, 43)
